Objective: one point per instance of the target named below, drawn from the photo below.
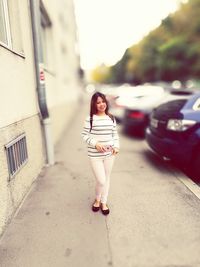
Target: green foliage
(101, 74)
(171, 51)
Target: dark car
(136, 118)
(174, 132)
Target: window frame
(10, 45)
(7, 25)
(46, 32)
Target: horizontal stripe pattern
(104, 131)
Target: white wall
(19, 114)
(17, 84)
(63, 88)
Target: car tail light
(136, 115)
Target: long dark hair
(93, 107)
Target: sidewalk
(154, 220)
(55, 225)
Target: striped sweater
(103, 131)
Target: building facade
(23, 142)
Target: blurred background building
(40, 90)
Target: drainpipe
(40, 79)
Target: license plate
(154, 123)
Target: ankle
(104, 205)
(97, 202)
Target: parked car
(174, 132)
(127, 96)
(136, 117)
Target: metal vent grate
(17, 155)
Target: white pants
(102, 168)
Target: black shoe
(94, 208)
(105, 212)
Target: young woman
(101, 136)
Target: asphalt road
(154, 219)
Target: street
(154, 219)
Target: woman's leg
(100, 175)
(108, 164)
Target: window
(5, 36)
(15, 25)
(47, 38)
(10, 25)
(47, 47)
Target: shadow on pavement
(159, 163)
(168, 165)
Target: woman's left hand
(115, 151)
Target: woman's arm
(86, 134)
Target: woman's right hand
(100, 147)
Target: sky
(106, 28)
